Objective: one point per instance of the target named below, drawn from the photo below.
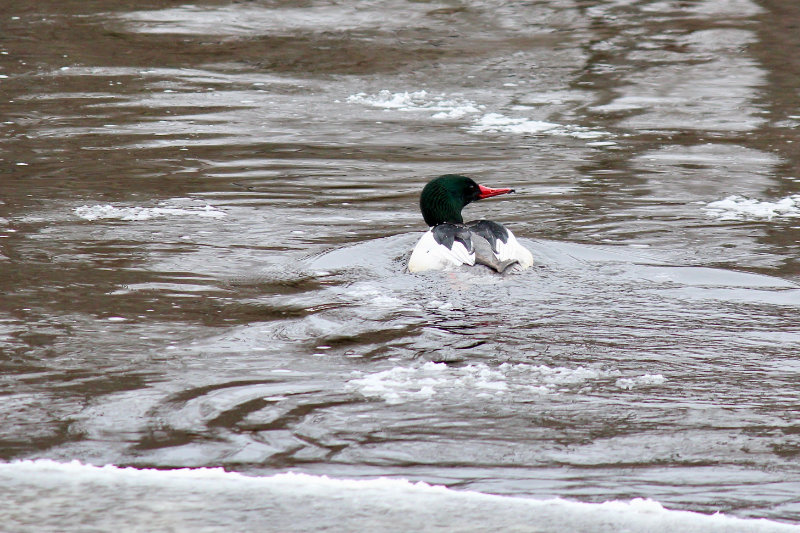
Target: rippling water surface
(206, 211)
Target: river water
(206, 210)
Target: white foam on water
(498, 123)
(740, 208)
(442, 106)
(401, 384)
(424, 382)
(640, 381)
(128, 213)
(495, 122)
(77, 496)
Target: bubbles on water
(444, 107)
(454, 107)
(136, 213)
(740, 208)
(639, 381)
(522, 381)
(498, 123)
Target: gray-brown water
(205, 212)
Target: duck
(451, 243)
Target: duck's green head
(443, 198)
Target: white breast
(430, 255)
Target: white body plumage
(447, 246)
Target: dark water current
(205, 211)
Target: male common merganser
(450, 242)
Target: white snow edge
(638, 507)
